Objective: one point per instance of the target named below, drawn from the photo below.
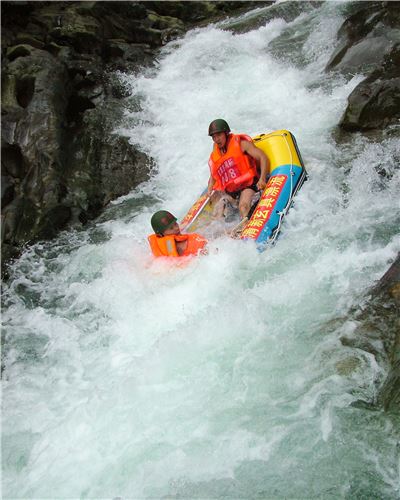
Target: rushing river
(226, 377)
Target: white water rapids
(224, 378)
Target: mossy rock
(165, 22)
(21, 50)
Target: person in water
(168, 241)
(237, 166)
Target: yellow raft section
(280, 147)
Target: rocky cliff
(369, 43)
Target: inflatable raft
(287, 174)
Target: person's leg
(217, 202)
(245, 200)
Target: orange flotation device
(233, 170)
(165, 246)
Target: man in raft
(168, 240)
(237, 166)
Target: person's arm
(261, 158)
(211, 182)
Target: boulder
(366, 37)
(369, 44)
(374, 103)
(378, 332)
(386, 295)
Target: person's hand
(261, 184)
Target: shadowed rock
(367, 36)
(378, 332)
(369, 43)
(375, 102)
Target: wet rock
(387, 294)
(347, 366)
(18, 51)
(100, 171)
(378, 332)
(28, 40)
(7, 190)
(369, 44)
(12, 162)
(170, 27)
(367, 36)
(53, 76)
(196, 12)
(34, 101)
(389, 396)
(375, 102)
(120, 55)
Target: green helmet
(218, 125)
(161, 221)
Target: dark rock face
(34, 101)
(60, 102)
(378, 326)
(375, 102)
(388, 292)
(367, 36)
(369, 43)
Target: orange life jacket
(233, 170)
(165, 246)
